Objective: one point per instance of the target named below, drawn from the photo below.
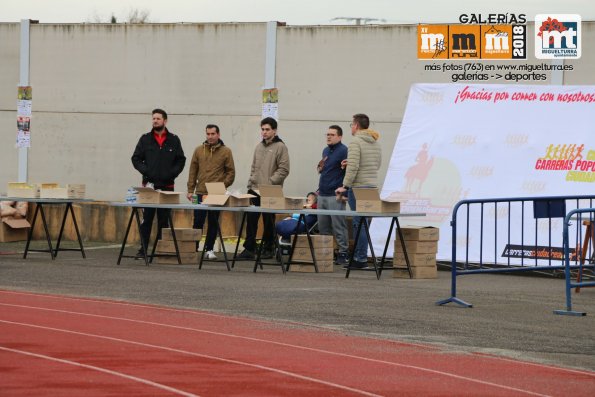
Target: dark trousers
(268, 220)
(147, 224)
(212, 224)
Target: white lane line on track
(104, 370)
(448, 374)
(189, 353)
(248, 319)
(200, 312)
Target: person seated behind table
(287, 226)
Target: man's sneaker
(246, 255)
(140, 254)
(284, 241)
(267, 253)
(356, 265)
(342, 260)
(211, 255)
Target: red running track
(56, 345)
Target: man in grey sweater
(364, 157)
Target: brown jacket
(270, 164)
(210, 163)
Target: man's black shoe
(140, 254)
(246, 255)
(266, 254)
(356, 265)
(342, 260)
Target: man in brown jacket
(270, 166)
(211, 162)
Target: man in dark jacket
(331, 177)
(159, 158)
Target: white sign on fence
(462, 141)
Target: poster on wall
(24, 100)
(270, 103)
(462, 141)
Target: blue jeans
(360, 252)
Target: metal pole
(270, 55)
(24, 81)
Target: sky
(293, 12)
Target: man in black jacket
(159, 158)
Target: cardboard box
(23, 190)
(271, 196)
(218, 196)
(76, 190)
(368, 200)
(304, 254)
(186, 234)
(323, 267)
(53, 190)
(186, 258)
(318, 241)
(415, 260)
(424, 233)
(13, 230)
(417, 247)
(147, 195)
(169, 247)
(416, 272)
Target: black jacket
(159, 165)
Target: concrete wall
(95, 85)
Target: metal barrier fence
(584, 257)
(522, 250)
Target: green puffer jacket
(364, 157)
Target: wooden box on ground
(420, 233)
(323, 267)
(167, 246)
(415, 260)
(417, 247)
(182, 234)
(318, 241)
(13, 230)
(187, 258)
(303, 254)
(417, 272)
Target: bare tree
(135, 15)
(138, 16)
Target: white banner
(489, 141)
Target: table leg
(30, 234)
(132, 212)
(47, 230)
(404, 248)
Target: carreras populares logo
(557, 36)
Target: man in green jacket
(364, 157)
(270, 166)
(211, 162)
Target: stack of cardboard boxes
(323, 251)
(421, 244)
(186, 239)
